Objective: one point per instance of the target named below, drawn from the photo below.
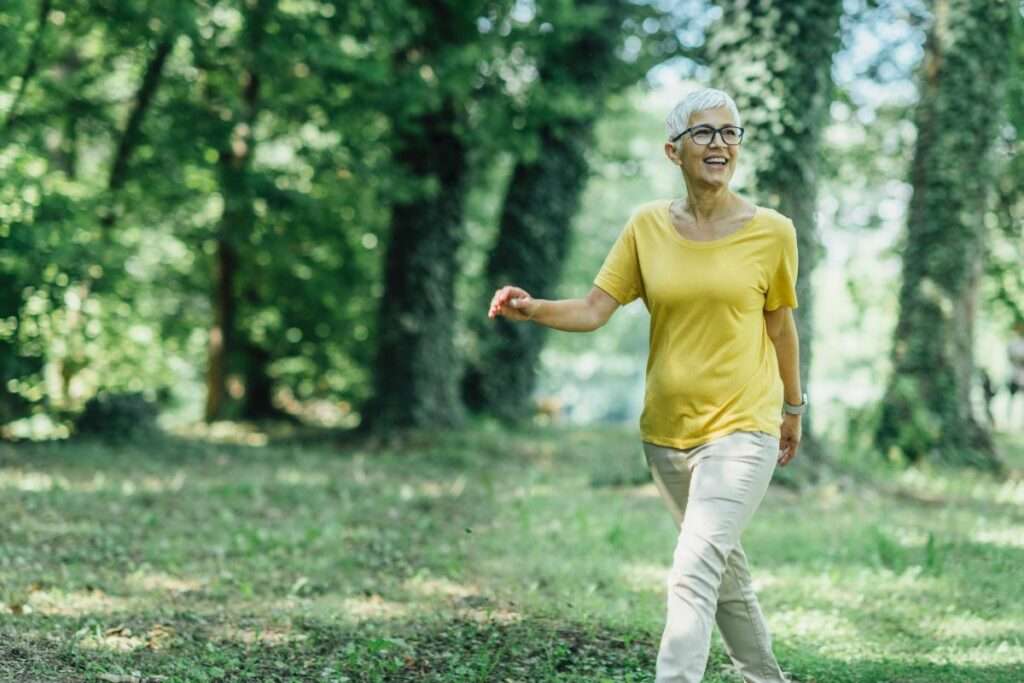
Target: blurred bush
(117, 416)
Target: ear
(670, 152)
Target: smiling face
(712, 164)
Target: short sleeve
(620, 273)
(782, 278)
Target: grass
(477, 555)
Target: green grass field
(477, 556)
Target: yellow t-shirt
(712, 368)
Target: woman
(718, 275)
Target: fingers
(496, 303)
(787, 451)
(502, 298)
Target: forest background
(256, 424)
(219, 207)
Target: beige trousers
(712, 490)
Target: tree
(435, 66)
(1005, 241)
(234, 157)
(775, 59)
(62, 121)
(926, 411)
(580, 63)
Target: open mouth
(716, 161)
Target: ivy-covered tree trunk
(775, 59)
(417, 368)
(926, 411)
(582, 63)
(435, 66)
(533, 243)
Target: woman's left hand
(789, 438)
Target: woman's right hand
(512, 302)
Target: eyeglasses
(703, 135)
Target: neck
(707, 202)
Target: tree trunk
(258, 403)
(542, 199)
(222, 332)
(926, 412)
(233, 169)
(533, 243)
(416, 369)
(775, 59)
(258, 399)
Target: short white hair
(699, 100)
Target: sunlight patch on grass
(160, 582)
(439, 587)
(1006, 537)
(905, 537)
(121, 641)
(971, 626)
(298, 477)
(374, 607)
(19, 480)
(644, 576)
(863, 586)
(31, 481)
(531, 491)
(764, 580)
(223, 431)
(490, 615)
(75, 603)
(263, 636)
(1003, 653)
(643, 491)
(152, 484)
(15, 479)
(1010, 492)
(974, 486)
(433, 489)
(830, 628)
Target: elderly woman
(723, 402)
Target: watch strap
(798, 409)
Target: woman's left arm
(782, 331)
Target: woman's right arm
(568, 315)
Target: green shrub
(115, 415)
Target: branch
(31, 64)
(130, 137)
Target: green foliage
(108, 281)
(1004, 285)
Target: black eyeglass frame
(714, 131)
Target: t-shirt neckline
(666, 216)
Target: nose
(715, 135)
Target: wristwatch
(795, 409)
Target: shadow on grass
(450, 649)
(443, 649)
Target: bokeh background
(221, 212)
(256, 425)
